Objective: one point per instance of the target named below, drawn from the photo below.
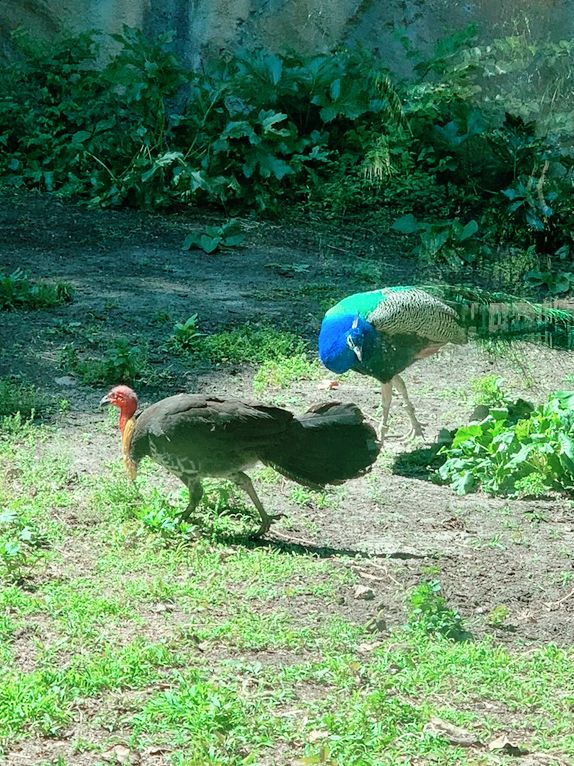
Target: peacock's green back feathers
(499, 316)
(450, 313)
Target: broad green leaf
(270, 165)
(469, 230)
(192, 240)
(406, 224)
(275, 67)
(335, 89)
(209, 244)
(463, 483)
(269, 119)
(80, 136)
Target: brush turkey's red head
(125, 399)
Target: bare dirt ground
(127, 268)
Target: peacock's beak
(104, 401)
(358, 351)
(355, 348)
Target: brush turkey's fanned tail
(329, 444)
(499, 316)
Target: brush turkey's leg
(195, 494)
(387, 397)
(244, 482)
(416, 425)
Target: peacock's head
(345, 342)
(125, 399)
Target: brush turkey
(194, 436)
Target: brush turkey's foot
(244, 482)
(266, 520)
(195, 494)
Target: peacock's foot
(266, 520)
(382, 434)
(416, 431)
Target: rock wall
(207, 27)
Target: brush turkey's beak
(104, 401)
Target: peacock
(382, 332)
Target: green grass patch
(283, 372)
(248, 344)
(41, 700)
(18, 291)
(19, 397)
(121, 362)
(240, 653)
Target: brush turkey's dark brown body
(195, 436)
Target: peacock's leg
(416, 425)
(195, 494)
(387, 396)
(244, 482)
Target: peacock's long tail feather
(499, 316)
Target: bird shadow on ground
(301, 547)
(421, 463)
(305, 547)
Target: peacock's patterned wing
(410, 311)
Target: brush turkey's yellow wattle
(127, 434)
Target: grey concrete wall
(206, 27)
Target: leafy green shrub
(246, 132)
(20, 544)
(213, 238)
(429, 612)
(448, 240)
(476, 142)
(489, 390)
(121, 363)
(555, 282)
(515, 450)
(185, 335)
(17, 291)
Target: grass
(247, 344)
(217, 652)
(17, 291)
(17, 396)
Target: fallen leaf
(455, 735)
(326, 384)
(506, 746)
(377, 623)
(162, 606)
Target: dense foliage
(474, 150)
(515, 450)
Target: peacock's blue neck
(334, 350)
